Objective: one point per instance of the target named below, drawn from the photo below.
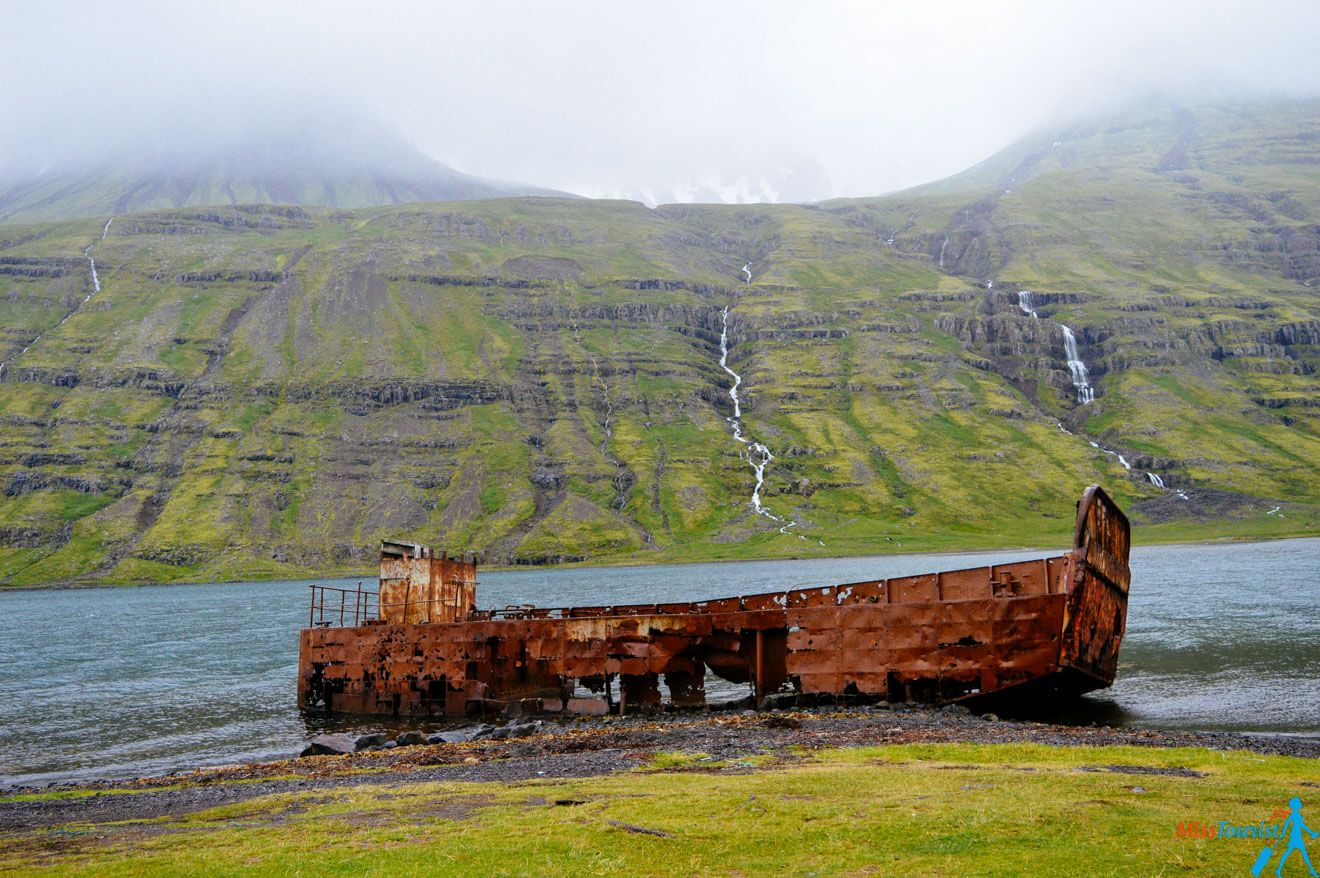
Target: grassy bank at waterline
(648, 799)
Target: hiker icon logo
(1283, 833)
(1289, 838)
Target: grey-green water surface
(112, 683)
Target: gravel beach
(585, 747)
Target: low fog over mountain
(734, 102)
(321, 156)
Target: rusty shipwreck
(418, 645)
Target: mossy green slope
(262, 391)
(922, 809)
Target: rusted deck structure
(1026, 630)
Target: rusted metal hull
(1051, 625)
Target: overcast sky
(655, 101)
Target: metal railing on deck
(332, 606)
(357, 606)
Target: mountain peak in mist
(333, 160)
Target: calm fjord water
(107, 683)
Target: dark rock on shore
(367, 742)
(461, 735)
(327, 745)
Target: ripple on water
(129, 682)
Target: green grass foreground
(946, 809)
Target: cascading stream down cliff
(87, 251)
(756, 454)
(1082, 381)
(1024, 302)
(1098, 447)
(1080, 377)
(96, 288)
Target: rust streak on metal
(1027, 630)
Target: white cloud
(677, 98)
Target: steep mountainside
(266, 390)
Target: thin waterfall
(1151, 477)
(87, 251)
(96, 288)
(96, 281)
(1098, 447)
(1081, 379)
(1024, 302)
(756, 454)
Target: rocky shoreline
(586, 747)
